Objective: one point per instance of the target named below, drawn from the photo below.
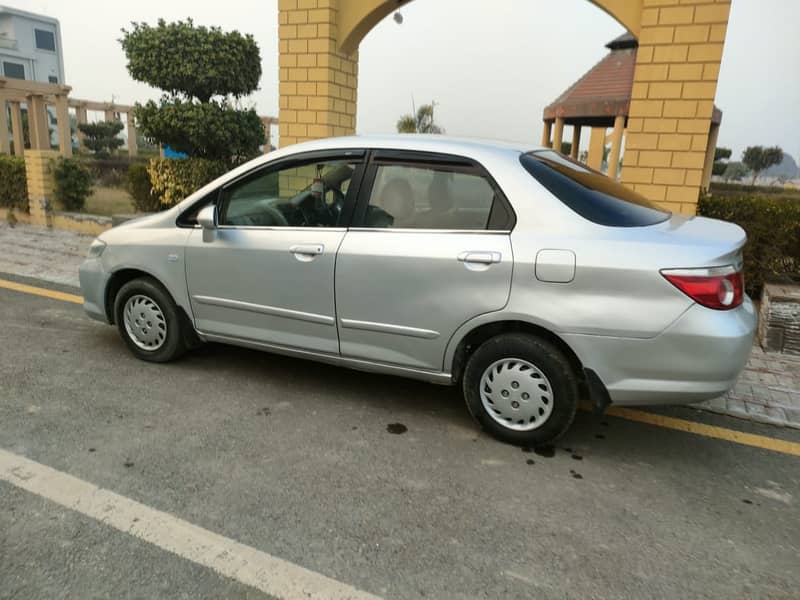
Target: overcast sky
(491, 72)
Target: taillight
(720, 288)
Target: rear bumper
(93, 280)
(696, 358)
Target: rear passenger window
(591, 194)
(430, 197)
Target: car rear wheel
(521, 389)
(148, 321)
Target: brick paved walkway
(768, 390)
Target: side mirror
(207, 217)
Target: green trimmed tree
(721, 156)
(204, 73)
(101, 137)
(758, 159)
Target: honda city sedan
(526, 278)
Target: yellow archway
(356, 19)
(675, 81)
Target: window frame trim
(16, 64)
(354, 155)
(36, 45)
(453, 162)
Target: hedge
(73, 181)
(141, 189)
(174, 179)
(773, 233)
(13, 184)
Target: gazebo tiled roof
(604, 91)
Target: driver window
(308, 194)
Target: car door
(430, 249)
(265, 273)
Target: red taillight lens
(719, 288)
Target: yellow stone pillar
(5, 145)
(41, 185)
(62, 122)
(711, 149)
(558, 134)
(318, 82)
(133, 143)
(109, 115)
(81, 117)
(548, 126)
(672, 99)
(616, 146)
(576, 142)
(16, 128)
(37, 123)
(597, 146)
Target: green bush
(141, 189)
(73, 183)
(174, 179)
(13, 185)
(773, 233)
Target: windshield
(591, 194)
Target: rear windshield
(591, 194)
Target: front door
(432, 251)
(266, 274)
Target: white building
(30, 46)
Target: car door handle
(307, 249)
(481, 258)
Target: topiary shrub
(141, 189)
(174, 179)
(773, 233)
(13, 184)
(73, 183)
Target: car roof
(420, 142)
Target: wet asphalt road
(379, 482)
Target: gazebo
(600, 100)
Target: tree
(721, 156)
(758, 158)
(193, 65)
(101, 137)
(735, 171)
(566, 148)
(421, 122)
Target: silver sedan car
(526, 278)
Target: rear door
(430, 249)
(266, 274)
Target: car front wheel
(521, 389)
(148, 321)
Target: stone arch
(672, 99)
(357, 19)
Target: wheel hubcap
(516, 394)
(145, 323)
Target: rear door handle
(307, 249)
(481, 258)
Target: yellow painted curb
(37, 291)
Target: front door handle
(306, 252)
(307, 249)
(480, 258)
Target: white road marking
(227, 557)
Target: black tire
(546, 358)
(173, 344)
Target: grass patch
(107, 201)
